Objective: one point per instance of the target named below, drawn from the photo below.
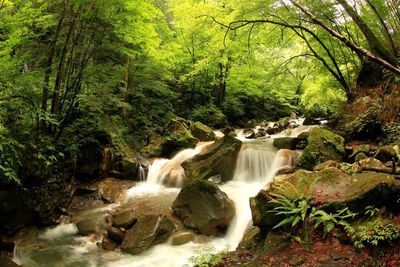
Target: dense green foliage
(69, 68)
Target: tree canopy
(69, 67)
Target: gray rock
(203, 206)
(125, 219)
(87, 227)
(148, 231)
(115, 234)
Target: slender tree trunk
(127, 64)
(60, 71)
(47, 74)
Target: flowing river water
(60, 246)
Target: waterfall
(256, 166)
(255, 161)
(169, 171)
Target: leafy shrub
(10, 159)
(206, 257)
(331, 220)
(374, 234)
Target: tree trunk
(47, 74)
(60, 71)
(372, 40)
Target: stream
(60, 246)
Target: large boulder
(177, 136)
(217, 159)
(386, 153)
(95, 157)
(322, 145)
(150, 230)
(367, 122)
(285, 142)
(330, 189)
(154, 148)
(202, 132)
(203, 206)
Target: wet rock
(368, 123)
(330, 188)
(7, 262)
(365, 149)
(217, 159)
(370, 164)
(202, 132)
(182, 237)
(203, 206)
(249, 133)
(115, 234)
(94, 158)
(150, 230)
(262, 133)
(285, 142)
(177, 137)
(360, 156)
(216, 179)
(272, 130)
(283, 123)
(250, 238)
(125, 219)
(322, 145)
(112, 190)
(154, 148)
(327, 164)
(108, 244)
(87, 227)
(276, 241)
(386, 153)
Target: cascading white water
(169, 171)
(255, 161)
(256, 166)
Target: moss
(155, 148)
(202, 132)
(201, 185)
(322, 145)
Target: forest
(92, 90)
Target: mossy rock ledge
(322, 145)
(217, 159)
(331, 189)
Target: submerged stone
(182, 237)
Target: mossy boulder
(330, 189)
(322, 145)
(285, 142)
(202, 131)
(217, 159)
(154, 148)
(386, 153)
(177, 137)
(367, 122)
(365, 149)
(201, 205)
